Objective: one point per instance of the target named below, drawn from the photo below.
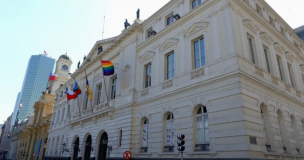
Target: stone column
(31, 146)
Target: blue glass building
(15, 110)
(34, 83)
(300, 32)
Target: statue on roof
(138, 13)
(78, 65)
(127, 24)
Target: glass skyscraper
(300, 32)
(15, 110)
(35, 82)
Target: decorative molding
(168, 43)
(274, 80)
(146, 56)
(144, 92)
(290, 56)
(266, 37)
(197, 73)
(259, 72)
(277, 46)
(287, 88)
(298, 93)
(167, 84)
(98, 77)
(195, 28)
(249, 24)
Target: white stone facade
(234, 87)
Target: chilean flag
(52, 77)
(70, 94)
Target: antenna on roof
(104, 18)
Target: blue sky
(29, 27)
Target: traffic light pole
(182, 156)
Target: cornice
(270, 28)
(177, 23)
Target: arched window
(170, 130)
(264, 126)
(202, 126)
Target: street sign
(127, 155)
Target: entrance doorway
(76, 148)
(103, 145)
(88, 146)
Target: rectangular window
(58, 117)
(148, 75)
(251, 50)
(267, 60)
(280, 67)
(259, 10)
(99, 88)
(149, 32)
(169, 19)
(196, 3)
(199, 53)
(113, 92)
(291, 75)
(120, 138)
(54, 118)
(170, 65)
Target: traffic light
(180, 142)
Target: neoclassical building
(228, 74)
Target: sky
(29, 27)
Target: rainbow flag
(107, 67)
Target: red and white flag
(70, 94)
(52, 77)
(44, 52)
(20, 105)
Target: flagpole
(89, 87)
(68, 104)
(104, 83)
(77, 101)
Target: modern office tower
(300, 32)
(35, 81)
(15, 110)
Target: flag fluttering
(44, 52)
(70, 94)
(107, 68)
(88, 87)
(76, 89)
(20, 105)
(52, 77)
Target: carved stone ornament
(266, 37)
(144, 92)
(197, 73)
(287, 88)
(195, 28)
(278, 47)
(168, 43)
(249, 24)
(167, 84)
(146, 56)
(259, 72)
(274, 80)
(290, 56)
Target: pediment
(249, 24)
(146, 56)
(169, 43)
(290, 56)
(266, 37)
(98, 77)
(278, 47)
(195, 28)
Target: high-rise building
(300, 32)
(15, 110)
(35, 81)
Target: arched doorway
(76, 148)
(103, 145)
(88, 146)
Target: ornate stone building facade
(228, 74)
